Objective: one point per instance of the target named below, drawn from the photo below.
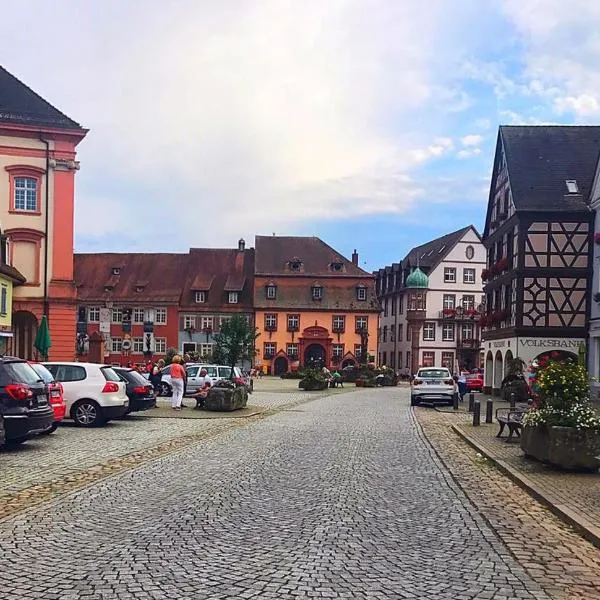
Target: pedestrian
(177, 373)
(155, 376)
(204, 385)
(462, 385)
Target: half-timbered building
(537, 236)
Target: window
(200, 297)
(400, 360)
(271, 322)
(206, 350)
(449, 301)
(187, 347)
(384, 358)
(295, 264)
(385, 333)
(401, 304)
(160, 345)
(339, 323)
(407, 360)
(189, 322)
(468, 302)
(337, 351)
(269, 349)
(466, 331)
(468, 275)
(94, 314)
(385, 307)
(138, 345)
(60, 372)
(400, 332)
(393, 307)
(116, 344)
(292, 351)
(408, 333)
(361, 293)
(572, 187)
(336, 266)
(429, 332)
(117, 315)
(470, 252)
(358, 351)
(223, 320)
(206, 323)
(4, 300)
(448, 360)
(161, 316)
(449, 275)
(428, 359)
(271, 292)
(293, 322)
(138, 315)
(448, 332)
(233, 297)
(361, 323)
(317, 292)
(26, 194)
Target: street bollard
(489, 410)
(476, 413)
(455, 402)
(471, 400)
(512, 400)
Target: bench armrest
(502, 413)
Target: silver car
(432, 385)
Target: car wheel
(87, 413)
(52, 429)
(165, 390)
(414, 401)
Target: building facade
(9, 279)
(432, 305)
(313, 307)
(37, 195)
(538, 238)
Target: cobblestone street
(337, 498)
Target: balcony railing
(469, 343)
(460, 314)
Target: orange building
(37, 189)
(313, 306)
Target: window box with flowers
(449, 312)
(497, 316)
(562, 428)
(502, 265)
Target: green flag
(42, 340)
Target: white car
(431, 385)
(94, 393)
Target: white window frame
(160, 345)
(471, 275)
(293, 347)
(293, 321)
(361, 293)
(446, 329)
(137, 345)
(160, 317)
(116, 345)
(339, 323)
(271, 292)
(189, 322)
(116, 315)
(449, 301)
(466, 301)
(431, 354)
(93, 314)
(337, 350)
(200, 297)
(233, 297)
(449, 274)
(268, 346)
(27, 191)
(206, 323)
(206, 350)
(271, 322)
(223, 320)
(364, 320)
(138, 316)
(317, 292)
(429, 331)
(467, 331)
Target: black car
(24, 407)
(138, 389)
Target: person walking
(462, 385)
(177, 373)
(155, 376)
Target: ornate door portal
(314, 356)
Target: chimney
(355, 258)
(241, 245)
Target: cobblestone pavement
(312, 502)
(554, 555)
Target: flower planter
(566, 447)
(310, 385)
(226, 399)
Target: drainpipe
(46, 224)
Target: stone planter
(310, 385)
(569, 448)
(365, 383)
(226, 399)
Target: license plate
(432, 383)
(41, 400)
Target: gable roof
(274, 252)
(19, 104)
(541, 158)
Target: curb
(582, 525)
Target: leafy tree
(169, 354)
(235, 342)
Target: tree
(235, 341)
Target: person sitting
(336, 379)
(204, 385)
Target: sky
(369, 123)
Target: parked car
(24, 405)
(139, 391)
(475, 383)
(94, 393)
(432, 384)
(215, 372)
(55, 394)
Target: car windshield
(109, 374)
(192, 371)
(21, 372)
(132, 376)
(43, 373)
(434, 373)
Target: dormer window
(317, 292)
(233, 297)
(200, 297)
(572, 187)
(108, 288)
(361, 293)
(139, 289)
(116, 270)
(337, 266)
(271, 292)
(295, 264)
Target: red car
(55, 393)
(475, 383)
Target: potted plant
(562, 429)
(449, 312)
(312, 380)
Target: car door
(213, 373)
(72, 377)
(193, 374)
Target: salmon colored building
(37, 195)
(313, 307)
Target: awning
(6, 334)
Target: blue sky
(370, 123)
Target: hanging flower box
(502, 265)
(497, 316)
(449, 312)
(471, 312)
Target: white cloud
(584, 105)
(468, 153)
(471, 140)
(482, 124)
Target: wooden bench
(511, 418)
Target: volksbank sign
(557, 343)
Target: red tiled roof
(202, 282)
(235, 283)
(273, 254)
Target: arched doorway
(25, 327)
(314, 356)
(507, 358)
(280, 365)
(498, 372)
(489, 371)
(348, 362)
